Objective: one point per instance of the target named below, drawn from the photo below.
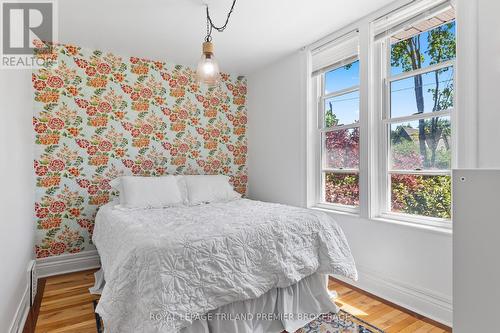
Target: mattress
(165, 268)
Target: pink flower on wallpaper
(98, 117)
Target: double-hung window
(337, 82)
(393, 115)
(417, 111)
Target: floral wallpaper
(99, 116)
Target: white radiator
(33, 280)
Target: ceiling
(259, 32)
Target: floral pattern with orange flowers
(99, 116)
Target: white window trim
(384, 81)
(319, 112)
(464, 122)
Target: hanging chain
(211, 25)
(208, 38)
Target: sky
(346, 107)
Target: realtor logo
(28, 30)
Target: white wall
(393, 260)
(276, 133)
(476, 233)
(409, 266)
(488, 84)
(16, 190)
(475, 249)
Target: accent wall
(99, 116)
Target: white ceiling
(258, 33)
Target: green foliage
(443, 158)
(407, 151)
(422, 195)
(50, 149)
(405, 148)
(330, 118)
(99, 91)
(100, 169)
(406, 54)
(342, 189)
(51, 190)
(442, 43)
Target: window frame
(373, 137)
(383, 48)
(320, 98)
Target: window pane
(342, 110)
(421, 195)
(421, 144)
(424, 49)
(342, 188)
(342, 77)
(428, 92)
(342, 149)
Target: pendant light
(207, 71)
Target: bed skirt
(280, 309)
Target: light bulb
(208, 69)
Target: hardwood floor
(385, 315)
(67, 304)
(67, 307)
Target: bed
(192, 269)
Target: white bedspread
(165, 266)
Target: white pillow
(181, 183)
(150, 192)
(209, 188)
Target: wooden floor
(67, 304)
(67, 307)
(380, 313)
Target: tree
(442, 47)
(342, 151)
(330, 118)
(408, 55)
(419, 194)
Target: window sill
(337, 209)
(415, 225)
(386, 219)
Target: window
(340, 135)
(338, 123)
(418, 108)
(382, 130)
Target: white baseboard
(68, 263)
(428, 303)
(22, 312)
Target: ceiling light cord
(211, 25)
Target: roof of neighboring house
(411, 131)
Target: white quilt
(163, 267)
